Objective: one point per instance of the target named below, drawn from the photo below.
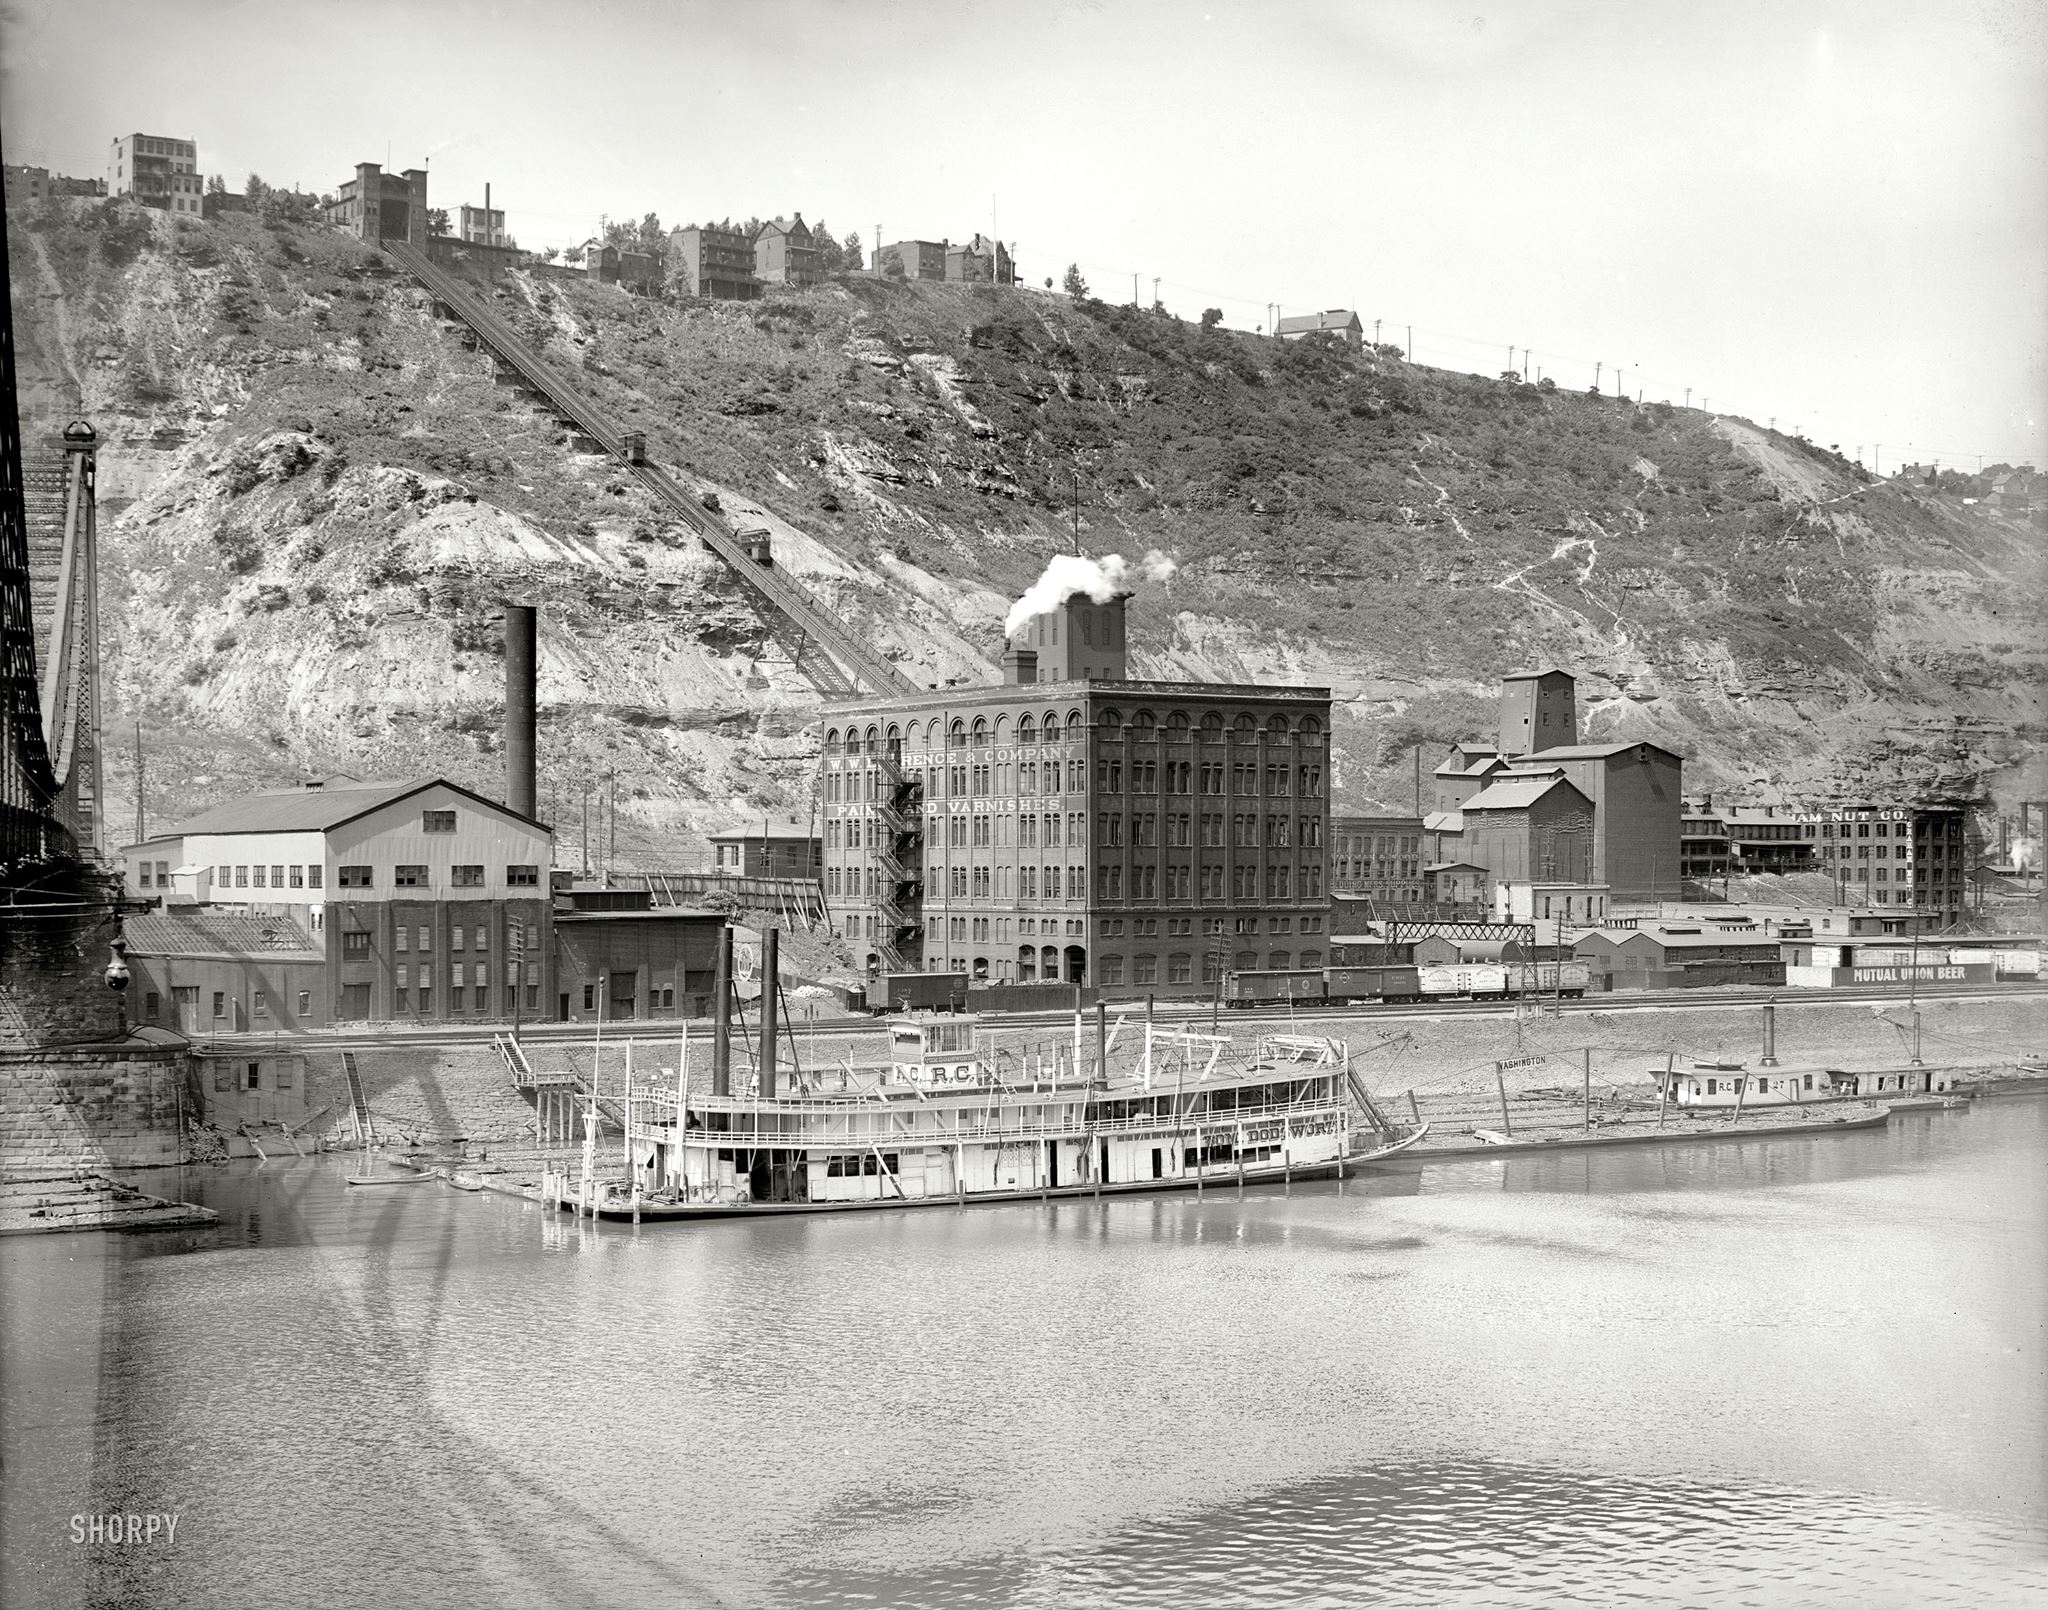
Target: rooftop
(319, 808)
(191, 931)
(1514, 793)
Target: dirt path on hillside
(54, 288)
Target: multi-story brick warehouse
(1134, 835)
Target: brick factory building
(1071, 824)
(919, 259)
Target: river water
(1799, 1372)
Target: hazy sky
(1834, 214)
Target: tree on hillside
(255, 189)
(1073, 284)
(216, 185)
(437, 221)
(850, 253)
(892, 265)
(651, 233)
(829, 258)
(1211, 317)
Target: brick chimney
(1020, 665)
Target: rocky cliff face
(315, 497)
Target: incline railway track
(848, 665)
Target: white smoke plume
(1157, 566)
(1068, 573)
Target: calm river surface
(1784, 1372)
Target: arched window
(1110, 719)
(831, 740)
(1212, 722)
(1311, 959)
(980, 732)
(1052, 726)
(1177, 721)
(1027, 963)
(1246, 960)
(1280, 961)
(1049, 958)
(895, 735)
(1311, 725)
(956, 735)
(1002, 730)
(1277, 725)
(874, 741)
(1027, 730)
(1075, 726)
(1244, 723)
(1144, 721)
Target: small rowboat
(463, 1180)
(387, 1179)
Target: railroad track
(849, 665)
(1181, 1011)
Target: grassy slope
(329, 495)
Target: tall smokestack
(521, 731)
(770, 973)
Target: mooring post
(1500, 1080)
(1588, 1055)
(1414, 1111)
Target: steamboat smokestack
(520, 726)
(770, 971)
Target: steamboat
(948, 1119)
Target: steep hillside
(316, 496)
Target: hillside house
(377, 206)
(917, 259)
(157, 171)
(785, 254)
(1338, 321)
(980, 261)
(712, 262)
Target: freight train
(1458, 981)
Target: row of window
(1345, 867)
(1180, 966)
(1707, 827)
(1367, 845)
(247, 877)
(980, 733)
(417, 1000)
(355, 944)
(187, 999)
(420, 877)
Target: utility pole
(1155, 290)
(586, 827)
(140, 822)
(1411, 343)
(1076, 474)
(1375, 332)
(1134, 287)
(1877, 459)
(1688, 396)
(612, 844)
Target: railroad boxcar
(1548, 978)
(917, 992)
(1463, 981)
(1271, 986)
(1372, 984)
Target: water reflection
(1482, 1533)
(1774, 1370)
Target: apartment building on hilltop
(157, 171)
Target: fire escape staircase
(899, 859)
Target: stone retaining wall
(112, 1106)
